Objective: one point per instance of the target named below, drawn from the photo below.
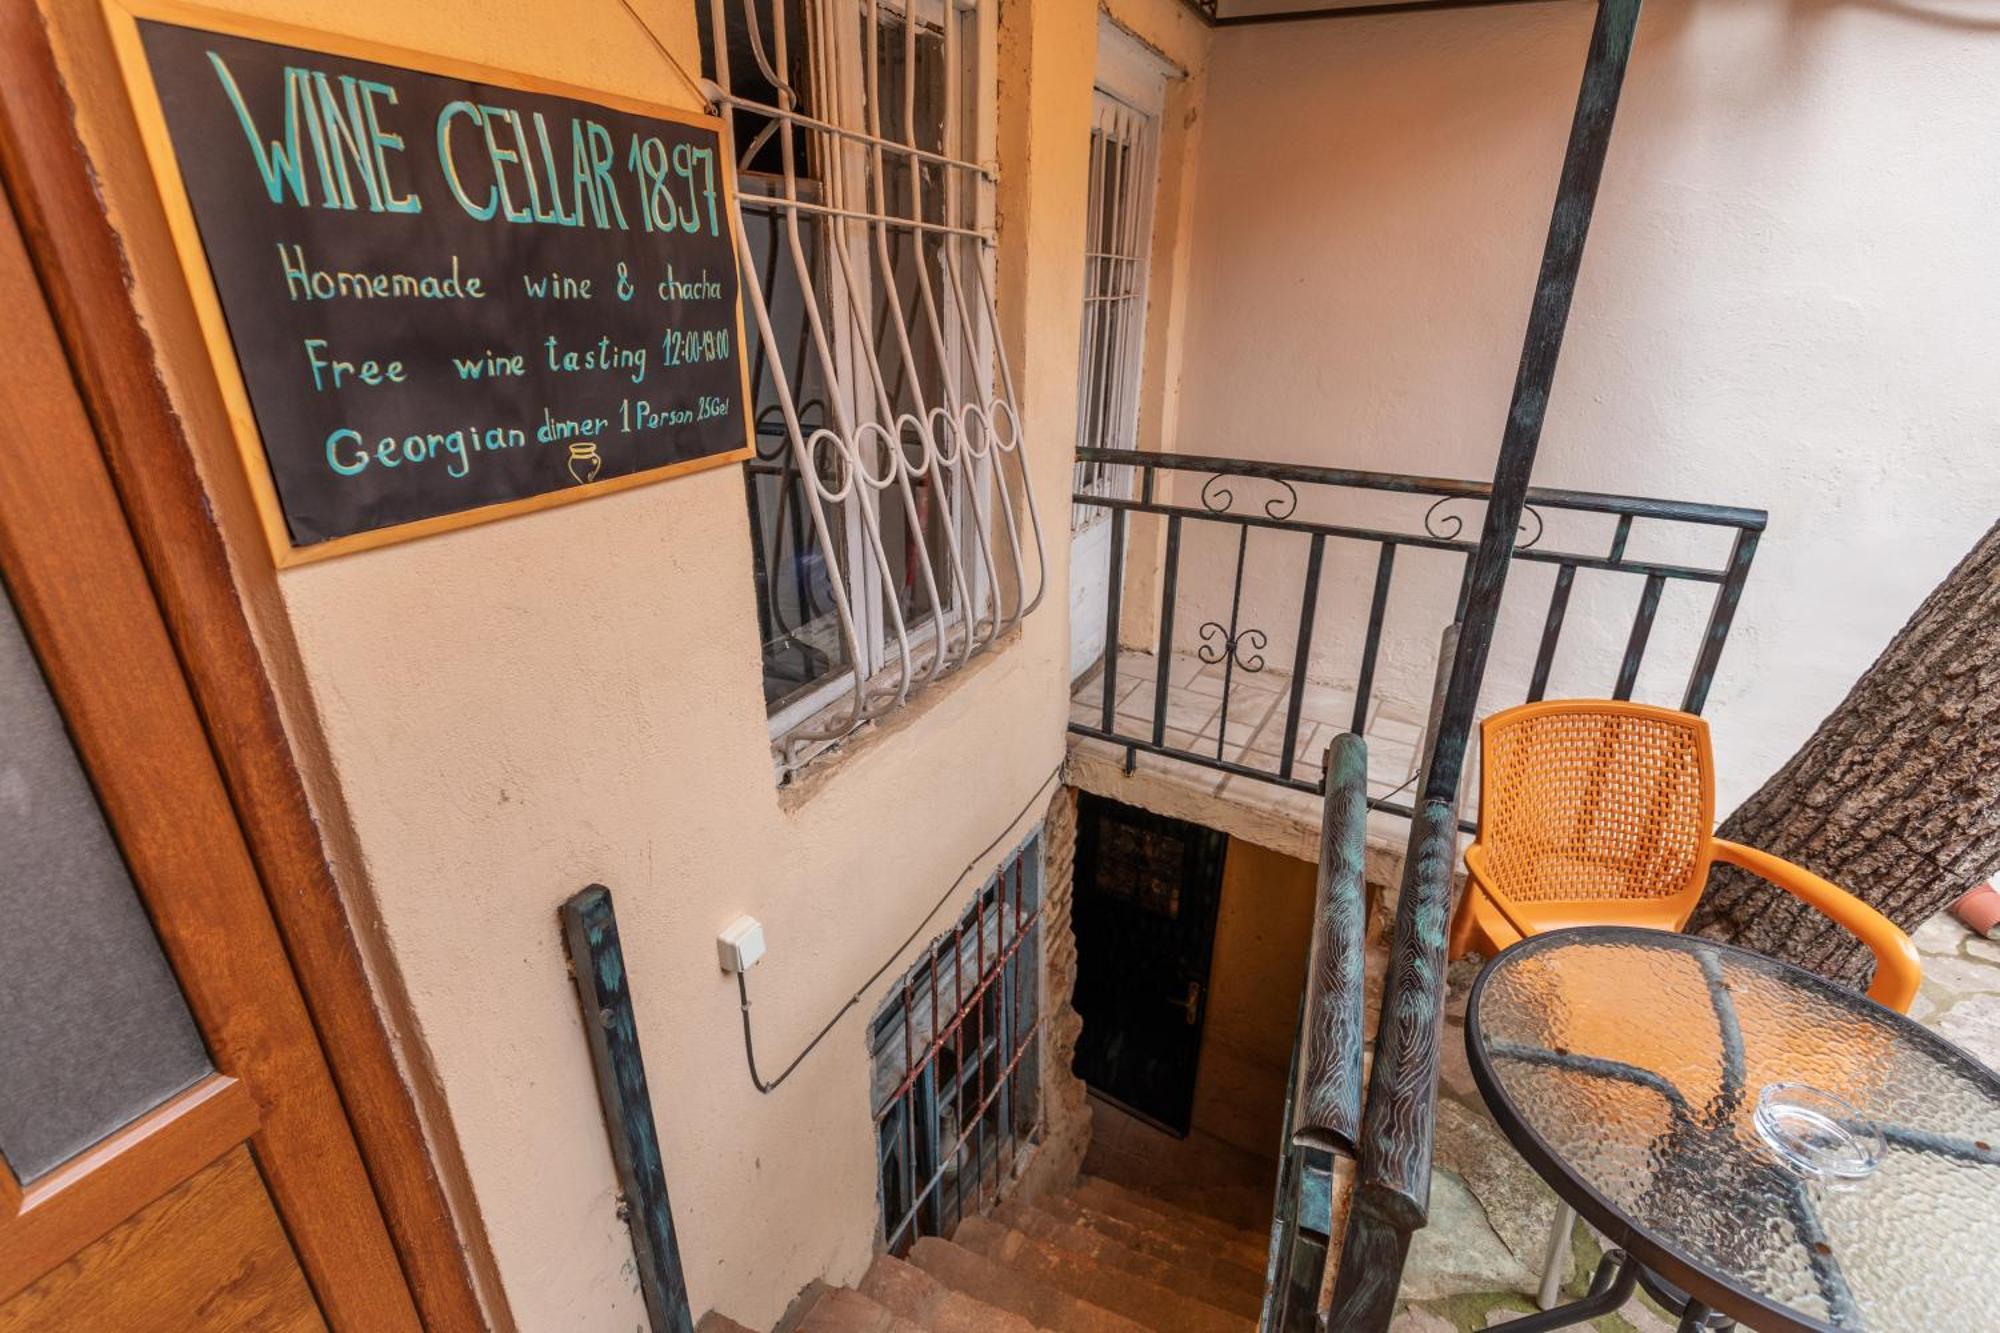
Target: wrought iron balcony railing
(1305, 518)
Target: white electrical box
(740, 944)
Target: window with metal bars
(956, 1061)
(895, 533)
(1117, 236)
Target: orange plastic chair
(1598, 812)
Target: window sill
(806, 777)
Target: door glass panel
(94, 1031)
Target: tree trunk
(1896, 798)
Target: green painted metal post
(1327, 1114)
(603, 989)
(1392, 1193)
(1562, 258)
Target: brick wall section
(1065, 1111)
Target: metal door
(1147, 890)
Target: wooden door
(1147, 891)
(173, 1153)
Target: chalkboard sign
(439, 295)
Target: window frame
(885, 651)
(1129, 92)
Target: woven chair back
(1594, 799)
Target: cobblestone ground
(1478, 1261)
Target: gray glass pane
(93, 1029)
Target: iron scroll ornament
(1447, 527)
(1217, 643)
(1219, 499)
(1227, 643)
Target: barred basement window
(956, 1061)
(895, 534)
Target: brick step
(1231, 1261)
(845, 1310)
(1234, 1204)
(1195, 1270)
(917, 1296)
(1240, 1246)
(720, 1323)
(1154, 1305)
(1041, 1304)
(795, 1313)
(1237, 1205)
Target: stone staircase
(1099, 1258)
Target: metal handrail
(1323, 1088)
(1399, 1121)
(1326, 1111)
(1392, 1187)
(1391, 1196)
(1638, 506)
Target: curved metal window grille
(896, 533)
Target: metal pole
(1562, 256)
(1326, 1110)
(590, 929)
(1399, 1122)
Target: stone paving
(1478, 1261)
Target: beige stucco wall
(1789, 298)
(496, 717)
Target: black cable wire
(1408, 782)
(743, 984)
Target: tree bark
(1896, 798)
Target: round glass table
(1627, 1065)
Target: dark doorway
(1147, 889)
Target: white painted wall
(1790, 300)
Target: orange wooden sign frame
(123, 18)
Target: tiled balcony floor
(1250, 732)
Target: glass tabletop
(1627, 1064)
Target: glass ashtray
(1816, 1133)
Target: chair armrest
(1897, 967)
(1478, 881)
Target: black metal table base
(1617, 1275)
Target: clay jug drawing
(584, 462)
